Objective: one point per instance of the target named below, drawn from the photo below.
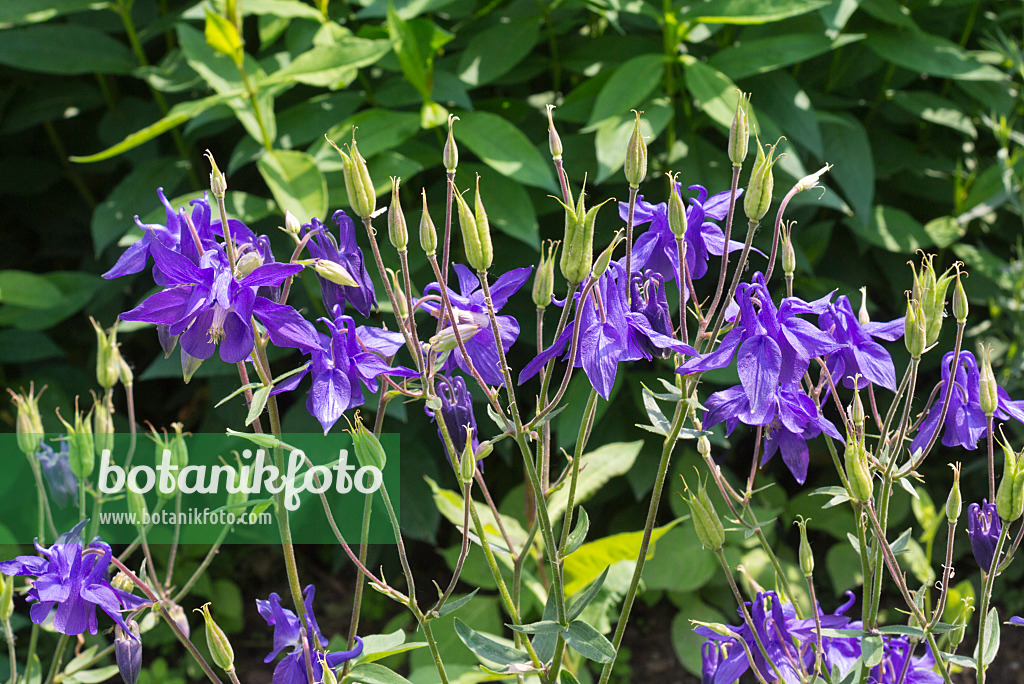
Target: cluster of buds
(82, 452)
(358, 185)
(927, 303)
(706, 522)
(476, 231)
(1010, 495)
(758, 197)
(28, 423)
(578, 243)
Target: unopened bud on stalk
(127, 377)
(954, 502)
(108, 359)
(291, 223)
(703, 446)
(467, 464)
(788, 253)
(806, 557)
(218, 182)
(676, 210)
(446, 340)
(960, 305)
(605, 257)
(635, 165)
(334, 272)
(398, 232)
(247, 263)
(28, 423)
(220, 648)
(554, 142)
(719, 628)
(863, 317)
(857, 414)
(102, 427)
(82, 453)
(544, 278)
(123, 582)
(369, 450)
(6, 598)
(179, 449)
(476, 231)
(137, 506)
(858, 471)
(705, 519)
(956, 635)
(930, 290)
(739, 132)
(450, 155)
(914, 332)
(988, 397)
(128, 652)
(400, 299)
(428, 234)
(361, 195)
(578, 245)
(1010, 495)
(180, 619)
(758, 198)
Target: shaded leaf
(847, 147)
(928, 54)
(504, 148)
(491, 53)
(32, 291)
(296, 182)
(748, 11)
(768, 54)
(64, 49)
(589, 643)
(631, 83)
(486, 648)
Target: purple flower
(346, 253)
(342, 363)
(983, 527)
(57, 471)
(470, 308)
(288, 634)
(207, 305)
(1017, 621)
(611, 330)
(71, 583)
(965, 420)
(656, 249)
(457, 413)
(791, 419)
(771, 345)
(860, 354)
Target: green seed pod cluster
(428, 233)
(578, 243)
(1010, 495)
(108, 358)
(930, 290)
(544, 278)
(858, 470)
(635, 165)
(476, 231)
(102, 427)
(706, 522)
(369, 450)
(989, 395)
(758, 197)
(361, 195)
(28, 424)
(82, 453)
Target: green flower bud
(989, 395)
(703, 446)
(127, 377)
(82, 454)
(739, 132)
(806, 557)
(863, 317)
(177, 615)
(400, 299)
(476, 238)
(788, 253)
(247, 263)
(544, 278)
(954, 502)
(220, 648)
(334, 272)
(291, 223)
(554, 142)
(445, 340)
(914, 332)
(635, 165)
(361, 195)
(189, 366)
(28, 423)
(676, 210)
(218, 181)
(450, 156)
(369, 450)
(705, 519)
(123, 582)
(467, 463)
(856, 411)
(719, 628)
(6, 598)
(605, 257)
(179, 449)
(398, 232)
(428, 234)
(137, 506)
(858, 471)
(960, 305)
(102, 427)
(1010, 495)
(758, 198)
(930, 290)
(956, 635)
(108, 359)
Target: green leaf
(627, 88)
(576, 537)
(378, 646)
(452, 606)
(715, 92)
(504, 148)
(259, 402)
(64, 49)
(872, 650)
(493, 52)
(100, 674)
(223, 37)
(415, 42)
(21, 288)
(375, 673)
(596, 468)
(769, 54)
(928, 54)
(285, 9)
(486, 648)
(509, 206)
(579, 601)
(892, 229)
(937, 110)
(613, 135)
(296, 182)
(542, 627)
(178, 114)
(77, 290)
(134, 195)
(991, 628)
(847, 147)
(325, 65)
(945, 230)
(450, 504)
(589, 643)
(379, 130)
(680, 548)
(24, 346)
(900, 545)
(13, 12)
(594, 557)
(748, 11)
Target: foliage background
(917, 105)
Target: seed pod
(914, 331)
(858, 472)
(82, 453)
(247, 263)
(788, 253)
(483, 229)
(179, 449)
(398, 232)
(369, 450)
(467, 463)
(102, 427)
(329, 676)
(956, 635)
(806, 557)
(676, 210)
(554, 142)
(108, 359)
(358, 186)
(635, 165)
(401, 301)
(476, 239)
(445, 340)
(6, 598)
(123, 582)
(220, 648)
(137, 506)
(758, 198)
(739, 132)
(28, 423)
(450, 155)
(857, 409)
(706, 522)
(544, 278)
(960, 305)
(988, 397)
(604, 259)
(954, 502)
(1010, 496)
(127, 377)
(128, 653)
(428, 234)
(161, 444)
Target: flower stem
(986, 598)
(12, 655)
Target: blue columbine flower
(983, 528)
(470, 308)
(346, 253)
(1017, 621)
(208, 306)
(656, 249)
(288, 634)
(57, 471)
(611, 330)
(965, 420)
(343, 362)
(71, 583)
(791, 419)
(860, 354)
(457, 413)
(771, 345)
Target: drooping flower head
(457, 413)
(860, 355)
(345, 253)
(56, 467)
(70, 583)
(470, 308)
(288, 634)
(983, 528)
